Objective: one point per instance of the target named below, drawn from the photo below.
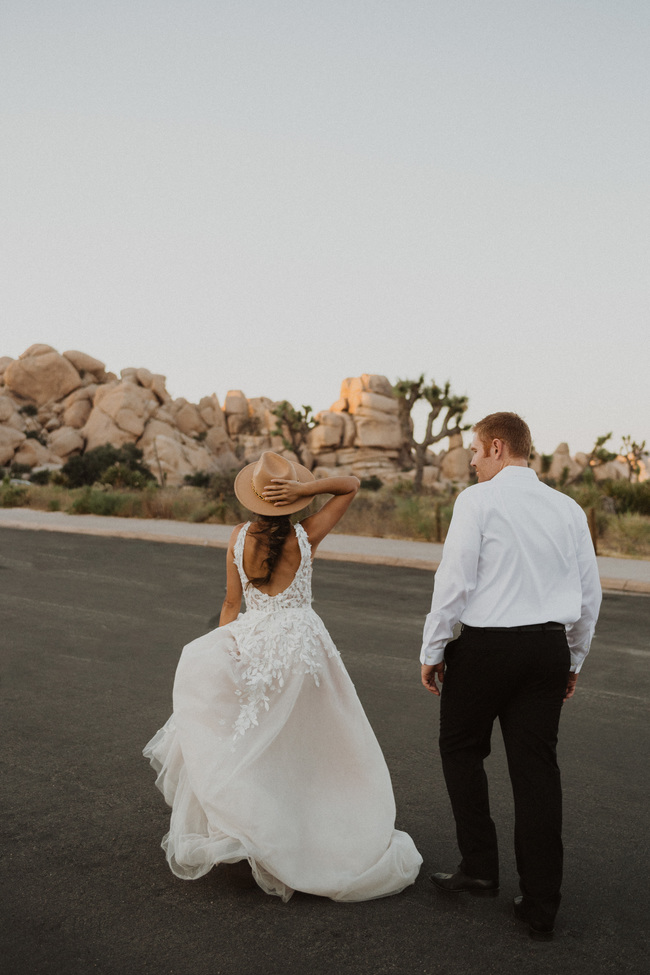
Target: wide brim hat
(252, 479)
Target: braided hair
(274, 530)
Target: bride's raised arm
(281, 492)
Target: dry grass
(627, 535)
(387, 513)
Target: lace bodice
(276, 638)
(297, 595)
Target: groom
(520, 574)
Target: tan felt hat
(252, 479)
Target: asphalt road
(90, 633)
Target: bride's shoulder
(235, 534)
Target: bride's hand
(282, 491)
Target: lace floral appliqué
(277, 636)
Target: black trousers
(519, 678)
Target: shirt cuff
(431, 657)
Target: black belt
(528, 628)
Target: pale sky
(271, 196)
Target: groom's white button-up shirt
(517, 552)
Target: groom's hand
(429, 674)
(571, 686)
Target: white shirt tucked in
(517, 552)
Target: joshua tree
(294, 426)
(599, 453)
(408, 393)
(633, 452)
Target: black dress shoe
(456, 883)
(538, 930)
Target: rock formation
(54, 406)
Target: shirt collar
(513, 471)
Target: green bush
(200, 479)
(35, 435)
(88, 469)
(40, 477)
(628, 497)
(121, 476)
(221, 488)
(12, 495)
(372, 483)
(94, 502)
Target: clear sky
(273, 195)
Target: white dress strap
(303, 543)
(238, 550)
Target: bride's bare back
(256, 550)
(281, 492)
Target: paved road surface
(90, 635)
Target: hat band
(265, 500)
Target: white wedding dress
(269, 757)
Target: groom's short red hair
(508, 427)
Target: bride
(268, 755)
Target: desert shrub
(95, 502)
(627, 534)
(12, 495)
(424, 517)
(35, 435)
(29, 409)
(628, 497)
(372, 483)
(200, 479)
(586, 493)
(88, 469)
(40, 477)
(213, 510)
(221, 489)
(121, 476)
(19, 470)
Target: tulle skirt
(294, 782)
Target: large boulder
(10, 440)
(368, 382)
(189, 421)
(76, 415)
(39, 348)
(7, 408)
(210, 411)
(41, 375)
(455, 463)
(154, 381)
(217, 439)
(612, 470)
(365, 455)
(371, 404)
(5, 360)
(31, 453)
(86, 364)
(328, 434)
(237, 414)
(65, 442)
(252, 446)
(372, 431)
(119, 414)
(563, 467)
(175, 458)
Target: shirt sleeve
(455, 578)
(580, 634)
